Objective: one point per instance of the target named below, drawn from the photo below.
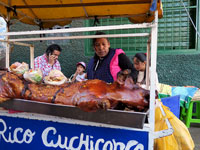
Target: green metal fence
(175, 32)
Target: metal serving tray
(113, 117)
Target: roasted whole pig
(89, 95)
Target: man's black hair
(51, 48)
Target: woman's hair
(140, 57)
(97, 33)
(51, 48)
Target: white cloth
(81, 77)
(141, 77)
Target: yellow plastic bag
(164, 143)
(179, 140)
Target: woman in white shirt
(140, 61)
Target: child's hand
(138, 84)
(120, 82)
(78, 71)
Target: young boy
(79, 75)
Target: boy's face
(80, 68)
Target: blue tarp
(186, 94)
(173, 103)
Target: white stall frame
(152, 54)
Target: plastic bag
(19, 68)
(180, 138)
(55, 77)
(33, 75)
(164, 143)
(181, 132)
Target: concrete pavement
(195, 133)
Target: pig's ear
(129, 83)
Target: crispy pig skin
(89, 95)
(10, 85)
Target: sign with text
(28, 134)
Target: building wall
(179, 70)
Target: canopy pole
(154, 38)
(148, 61)
(7, 52)
(32, 57)
(82, 29)
(7, 37)
(82, 37)
(17, 43)
(21, 44)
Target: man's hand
(52, 59)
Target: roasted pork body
(89, 95)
